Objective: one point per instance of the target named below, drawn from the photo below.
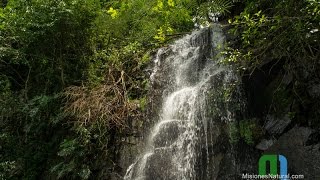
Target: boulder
(276, 126)
(302, 158)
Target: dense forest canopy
(72, 76)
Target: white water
(174, 145)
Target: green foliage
(72, 79)
(28, 132)
(95, 51)
(74, 166)
(48, 41)
(143, 103)
(285, 30)
(151, 23)
(248, 130)
(233, 133)
(211, 10)
(280, 35)
(216, 6)
(7, 169)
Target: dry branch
(107, 102)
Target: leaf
(67, 147)
(171, 3)
(113, 12)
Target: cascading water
(180, 146)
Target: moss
(234, 136)
(143, 103)
(247, 130)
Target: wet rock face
(168, 133)
(203, 147)
(190, 139)
(188, 114)
(131, 146)
(302, 158)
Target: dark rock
(287, 79)
(168, 133)
(314, 91)
(161, 166)
(275, 126)
(246, 160)
(264, 144)
(130, 148)
(302, 159)
(314, 138)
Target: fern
(212, 9)
(220, 6)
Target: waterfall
(180, 145)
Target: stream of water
(177, 147)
